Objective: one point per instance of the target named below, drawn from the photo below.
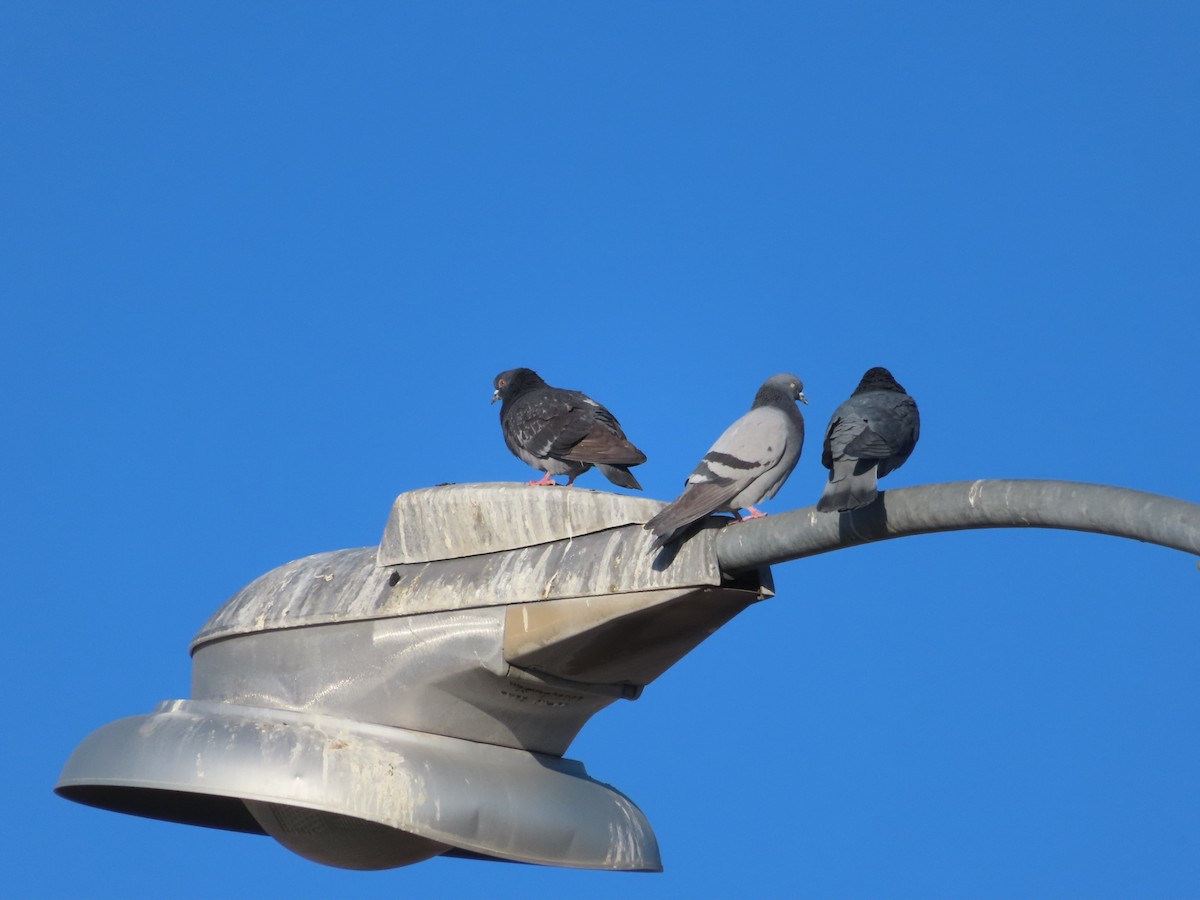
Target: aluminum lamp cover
(373, 707)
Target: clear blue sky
(262, 260)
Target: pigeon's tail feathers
(664, 524)
(664, 531)
(619, 475)
(676, 535)
(852, 484)
(697, 501)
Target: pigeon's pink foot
(546, 480)
(754, 513)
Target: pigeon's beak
(496, 395)
(802, 398)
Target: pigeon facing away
(869, 435)
(747, 464)
(562, 432)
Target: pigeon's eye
(502, 383)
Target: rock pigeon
(562, 432)
(869, 435)
(747, 464)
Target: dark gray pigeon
(747, 464)
(869, 435)
(562, 432)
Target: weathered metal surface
(456, 520)
(346, 585)
(446, 792)
(442, 673)
(477, 673)
(314, 590)
(987, 503)
(629, 638)
(460, 679)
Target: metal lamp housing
(370, 708)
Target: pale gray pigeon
(562, 432)
(747, 464)
(869, 435)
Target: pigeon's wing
(845, 425)
(602, 442)
(900, 427)
(890, 430)
(870, 426)
(870, 443)
(750, 446)
(546, 424)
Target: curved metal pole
(993, 503)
